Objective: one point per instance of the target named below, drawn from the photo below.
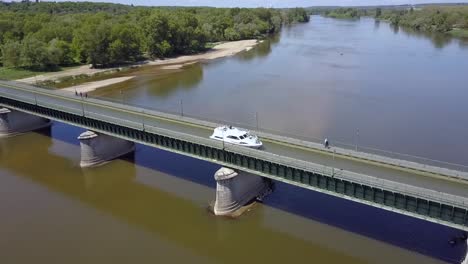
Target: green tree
(34, 53)
(11, 51)
(157, 32)
(60, 52)
(126, 43)
(92, 42)
(55, 53)
(378, 12)
(99, 43)
(185, 35)
(67, 53)
(231, 34)
(104, 34)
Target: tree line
(451, 19)
(444, 19)
(345, 13)
(47, 35)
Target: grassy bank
(459, 33)
(17, 73)
(20, 73)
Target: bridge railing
(399, 159)
(370, 153)
(258, 154)
(388, 185)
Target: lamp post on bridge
(143, 119)
(357, 138)
(256, 120)
(223, 139)
(333, 167)
(181, 108)
(82, 105)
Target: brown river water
(403, 91)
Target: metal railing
(35, 97)
(367, 153)
(371, 153)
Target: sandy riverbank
(53, 76)
(91, 86)
(219, 51)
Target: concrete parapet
(14, 122)
(236, 189)
(97, 149)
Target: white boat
(237, 136)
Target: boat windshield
(244, 136)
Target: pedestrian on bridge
(326, 143)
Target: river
(359, 83)
(328, 78)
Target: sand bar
(219, 51)
(91, 86)
(52, 76)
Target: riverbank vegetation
(443, 19)
(17, 73)
(46, 36)
(345, 13)
(451, 19)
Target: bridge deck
(392, 173)
(204, 129)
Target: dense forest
(346, 13)
(451, 19)
(444, 19)
(47, 35)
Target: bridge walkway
(91, 106)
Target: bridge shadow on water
(424, 237)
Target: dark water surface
(153, 209)
(405, 92)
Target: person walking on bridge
(326, 143)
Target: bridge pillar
(14, 122)
(465, 261)
(236, 189)
(97, 149)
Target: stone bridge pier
(235, 189)
(465, 261)
(14, 122)
(97, 149)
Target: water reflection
(99, 184)
(376, 24)
(155, 81)
(261, 50)
(463, 43)
(439, 40)
(143, 198)
(170, 210)
(6, 147)
(186, 79)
